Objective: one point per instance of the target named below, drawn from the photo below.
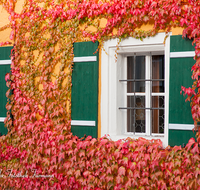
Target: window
(135, 88)
(145, 94)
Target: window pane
(158, 71)
(158, 115)
(136, 70)
(136, 116)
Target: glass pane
(136, 116)
(158, 116)
(136, 70)
(158, 71)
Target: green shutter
(180, 75)
(180, 137)
(84, 109)
(4, 68)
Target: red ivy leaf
(190, 143)
(195, 149)
(61, 156)
(122, 170)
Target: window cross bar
(140, 108)
(138, 80)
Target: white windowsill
(117, 137)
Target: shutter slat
(182, 54)
(85, 59)
(5, 62)
(83, 123)
(2, 119)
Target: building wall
(4, 35)
(177, 112)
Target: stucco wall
(4, 36)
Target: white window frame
(111, 90)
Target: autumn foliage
(39, 152)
